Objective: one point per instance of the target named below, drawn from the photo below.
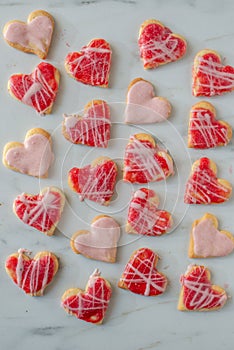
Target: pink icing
(100, 243)
(208, 241)
(35, 34)
(143, 107)
(34, 158)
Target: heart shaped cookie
(41, 211)
(203, 186)
(144, 217)
(210, 77)
(100, 243)
(143, 107)
(204, 130)
(197, 293)
(158, 45)
(96, 181)
(92, 64)
(140, 275)
(32, 275)
(91, 129)
(207, 241)
(144, 161)
(33, 36)
(89, 305)
(33, 157)
(38, 89)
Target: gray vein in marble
(150, 346)
(46, 331)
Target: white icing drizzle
(209, 132)
(151, 277)
(142, 157)
(79, 128)
(33, 272)
(46, 205)
(200, 293)
(160, 48)
(38, 90)
(95, 186)
(148, 219)
(217, 80)
(99, 67)
(196, 190)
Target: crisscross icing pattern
(144, 217)
(89, 305)
(140, 275)
(93, 129)
(198, 292)
(38, 89)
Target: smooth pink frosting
(142, 105)
(101, 242)
(34, 158)
(35, 34)
(208, 241)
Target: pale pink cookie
(90, 129)
(100, 243)
(41, 211)
(207, 241)
(34, 36)
(143, 107)
(33, 157)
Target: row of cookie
(140, 276)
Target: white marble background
(132, 322)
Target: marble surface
(132, 322)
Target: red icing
(205, 131)
(39, 211)
(94, 182)
(198, 292)
(43, 87)
(203, 186)
(92, 304)
(92, 64)
(140, 275)
(94, 127)
(145, 217)
(158, 45)
(143, 163)
(211, 77)
(35, 274)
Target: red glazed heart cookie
(96, 181)
(143, 107)
(100, 243)
(33, 36)
(207, 241)
(41, 211)
(38, 89)
(204, 130)
(203, 186)
(92, 64)
(158, 45)
(197, 293)
(91, 129)
(33, 157)
(144, 217)
(32, 275)
(144, 161)
(89, 305)
(210, 77)
(141, 276)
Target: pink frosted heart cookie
(34, 36)
(33, 157)
(207, 241)
(100, 243)
(143, 107)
